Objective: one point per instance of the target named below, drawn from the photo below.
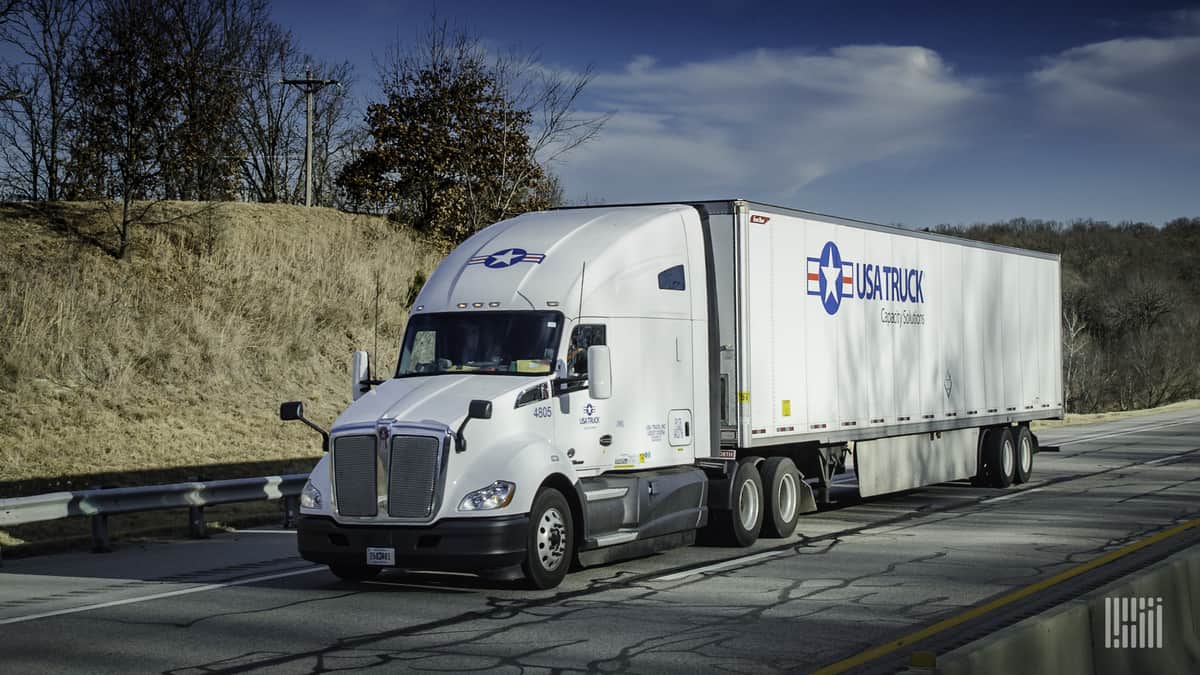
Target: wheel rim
(786, 497)
(748, 505)
(552, 539)
(1026, 455)
(1007, 459)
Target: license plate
(381, 557)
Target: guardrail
(99, 504)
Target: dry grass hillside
(178, 356)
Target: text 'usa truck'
(583, 385)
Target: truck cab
(544, 406)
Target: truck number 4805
(542, 411)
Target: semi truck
(588, 384)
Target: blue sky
(912, 112)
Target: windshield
(494, 343)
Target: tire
(551, 543)
(1024, 445)
(999, 457)
(741, 525)
(354, 572)
(781, 487)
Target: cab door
(583, 426)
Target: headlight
(495, 496)
(310, 496)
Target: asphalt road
(854, 576)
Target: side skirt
(637, 548)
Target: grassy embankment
(172, 363)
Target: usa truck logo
(507, 258)
(833, 279)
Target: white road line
(1151, 427)
(160, 596)
(1168, 458)
(736, 562)
(1014, 495)
(264, 532)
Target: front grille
(354, 481)
(413, 476)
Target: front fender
(319, 477)
(526, 460)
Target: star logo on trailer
(829, 278)
(506, 258)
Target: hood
(435, 399)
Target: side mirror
(477, 410)
(480, 410)
(599, 372)
(294, 410)
(291, 410)
(360, 368)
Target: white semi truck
(586, 384)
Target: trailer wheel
(354, 572)
(1000, 457)
(551, 542)
(1023, 442)
(781, 485)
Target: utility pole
(309, 86)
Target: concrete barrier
(1071, 638)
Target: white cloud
(1135, 88)
(765, 123)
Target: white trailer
(595, 383)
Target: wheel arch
(572, 493)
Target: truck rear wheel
(1023, 441)
(781, 485)
(999, 457)
(551, 542)
(740, 525)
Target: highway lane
(856, 575)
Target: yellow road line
(1006, 599)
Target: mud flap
(808, 501)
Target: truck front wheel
(551, 542)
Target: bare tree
(209, 39)
(127, 104)
(45, 32)
(7, 9)
(22, 120)
(335, 134)
(267, 118)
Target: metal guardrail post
(100, 534)
(291, 510)
(196, 529)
